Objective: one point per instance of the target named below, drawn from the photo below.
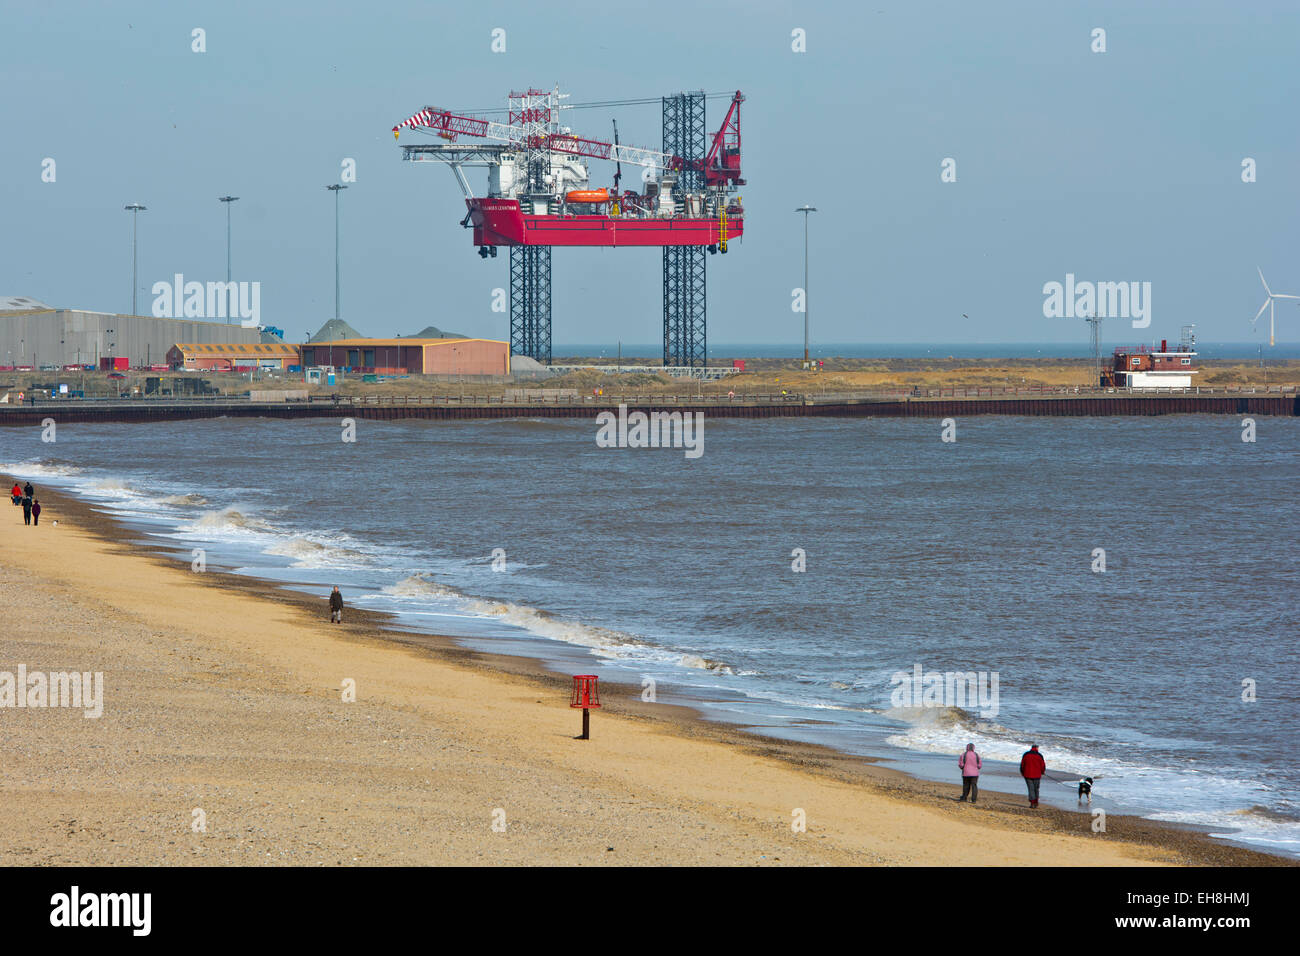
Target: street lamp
(805, 210)
(227, 200)
(335, 190)
(135, 209)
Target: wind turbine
(1268, 304)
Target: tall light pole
(335, 189)
(227, 200)
(805, 210)
(135, 209)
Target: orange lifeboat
(587, 195)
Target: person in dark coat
(36, 511)
(336, 606)
(1032, 768)
(29, 491)
(27, 510)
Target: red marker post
(585, 695)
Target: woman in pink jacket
(970, 763)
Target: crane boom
(448, 125)
(433, 120)
(597, 149)
(722, 164)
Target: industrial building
(33, 335)
(1143, 367)
(209, 357)
(459, 357)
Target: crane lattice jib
(445, 124)
(597, 149)
(448, 125)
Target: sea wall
(157, 411)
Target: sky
(1117, 166)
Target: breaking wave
(39, 469)
(191, 500)
(226, 520)
(1271, 814)
(306, 553)
(606, 641)
(114, 487)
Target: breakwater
(67, 412)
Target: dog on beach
(1085, 790)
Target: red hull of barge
(498, 222)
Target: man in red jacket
(1032, 768)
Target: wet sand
(224, 695)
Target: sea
(1126, 587)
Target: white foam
(112, 488)
(41, 469)
(1241, 825)
(225, 521)
(184, 500)
(307, 553)
(606, 642)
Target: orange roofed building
(224, 358)
(412, 356)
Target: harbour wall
(143, 410)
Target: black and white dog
(1085, 790)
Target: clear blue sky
(1124, 165)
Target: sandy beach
(225, 696)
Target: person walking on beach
(27, 510)
(36, 511)
(970, 764)
(29, 491)
(1032, 768)
(16, 494)
(336, 606)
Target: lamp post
(227, 200)
(135, 209)
(335, 189)
(805, 210)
